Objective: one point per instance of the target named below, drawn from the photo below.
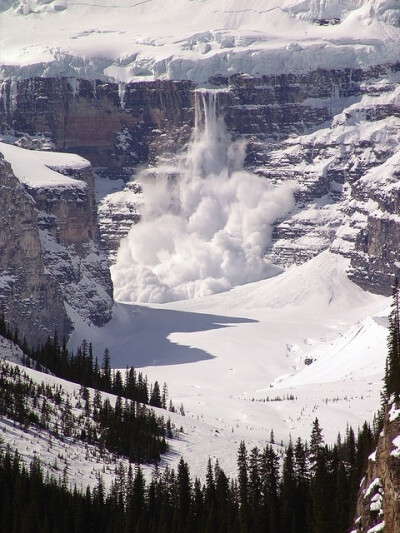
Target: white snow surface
(236, 362)
(38, 169)
(377, 528)
(375, 485)
(128, 40)
(237, 359)
(396, 444)
(394, 413)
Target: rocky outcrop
(378, 504)
(52, 271)
(70, 240)
(114, 126)
(30, 297)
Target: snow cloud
(205, 225)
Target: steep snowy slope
(196, 39)
(68, 456)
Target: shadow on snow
(138, 335)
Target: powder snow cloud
(204, 227)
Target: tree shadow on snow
(138, 335)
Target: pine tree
(164, 397)
(243, 477)
(106, 367)
(184, 494)
(288, 492)
(269, 473)
(316, 444)
(392, 370)
(155, 395)
(254, 489)
(322, 491)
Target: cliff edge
(52, 270)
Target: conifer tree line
(127, 429)
(314, 492)
(84, 368)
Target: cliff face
(29, 296)
(51, 267)
(335, 133)
(113, 126)
(378, 504)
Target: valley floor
(270, 355)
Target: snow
(375, 484)
(38, 169)
(228, 355)
(237, 360)
(225, 356)
(181, 39)
(6, 281)
(9, 351)
(396, 444)
(82, 463)
(377, 528)
(394, 413)
(205, 230)
(372, 457)
(376, 503)
(106, 187)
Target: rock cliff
(335, 133)
(378, 504)
(52, 271)
(29, 296)
(114, 126)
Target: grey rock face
(50, 257)
(113, 126)
(29, 296)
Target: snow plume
(205, 224)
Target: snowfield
(270, 355)
(273, 354)
(128, 40)
(40, 169)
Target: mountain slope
(50, 258)
(240, 360)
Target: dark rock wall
(29, 296)
(113, 126)
(378, 503)
(71, 213)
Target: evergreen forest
(307, 487)
(314, 492)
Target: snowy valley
(216, 202)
